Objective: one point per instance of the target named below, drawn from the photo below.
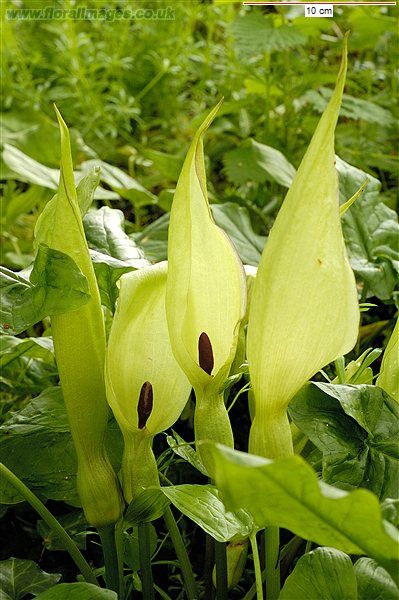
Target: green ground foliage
(133, 93)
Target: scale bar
(321, 3)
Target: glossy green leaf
(203, 505)
(235, 221)
(388, 378)
(373, 582)
(371, 232)
(323, 573)
(36, 444)
(186, 451)
(14, 348)
(105, 233)
(253, 161)
(20, 203)
(153, 239)
(32, 132)
(108, 271)
(74, 524)
(390, 510)
(303, 271)
(357, 429)
(18, 578)
(169, 165)
(77, 591)
(27, 364)
(31, 171)
(287, 493)
(56, 285)
(113, 253)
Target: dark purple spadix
(144, 406)
(205, 353)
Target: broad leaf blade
(186, 451)
(36, 444)
(18, 578)
(77, 591)
(373, 582)
(253, 161)
(255, 34)
(235, 221)
(203, 505)
(371, 232)
(105, 234)
(323, 573)
(357, 429)
(31, 171)
(286, 493)
(56, 286)
(113, 253)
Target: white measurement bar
(317, 11)
(321, 3)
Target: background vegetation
(133, 93)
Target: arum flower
(388, 379)
(79, 343)
(146, 388)
(304, 310)
(205, 295)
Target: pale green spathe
(304, 309)
(206, 282)
(388, 379)
(79, 343)
(139, 354)
(139, 351)
(205, 296)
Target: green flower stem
(112, 580)
(271, 435)
(120, 550)
(251, 593)
(258, 571)
(52, 522)
(272, 563)
(181, 552)
(145, 561)
(209, 560)
(139, 467)
(221, 570)
(211, 422)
